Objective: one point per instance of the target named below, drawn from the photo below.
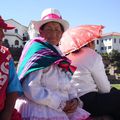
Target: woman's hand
(71, 106)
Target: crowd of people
(59, 75)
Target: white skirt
(33, 111)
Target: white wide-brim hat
(49, 15)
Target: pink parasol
(75, 38)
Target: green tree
(114, 58)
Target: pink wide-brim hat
(4, 25)
(75, 38)
(49, 15)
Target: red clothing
(4, 71)
(16, 115)
(5, 57)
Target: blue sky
(77, 12)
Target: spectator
(94, 88)
(10, 87)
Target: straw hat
(4, 25)
(49, 15)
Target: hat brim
(6, 26)
(63, 22)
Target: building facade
(108, 42)
(15, 37)
(31, 31)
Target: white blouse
(90, 75)
(50, 86)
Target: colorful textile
(39, 54)
(4, 72)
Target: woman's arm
(9, 106)
(14, 90)
(99, 76)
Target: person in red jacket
(10, 87)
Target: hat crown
(1, 20)
(50, 13)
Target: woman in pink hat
(90, 79)
(45, 75)
(10, 87)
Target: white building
(15, 37)
(109, 42)
(31, 31)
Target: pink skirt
(33, 111)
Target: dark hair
(76, 51)
(42, 27)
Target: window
(6, 40)
(102, 48)
(109, 47)
(6, 43)
(16, 30)
(114, 40)
(16, 42)
(97, 41)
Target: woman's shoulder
(89, 52)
